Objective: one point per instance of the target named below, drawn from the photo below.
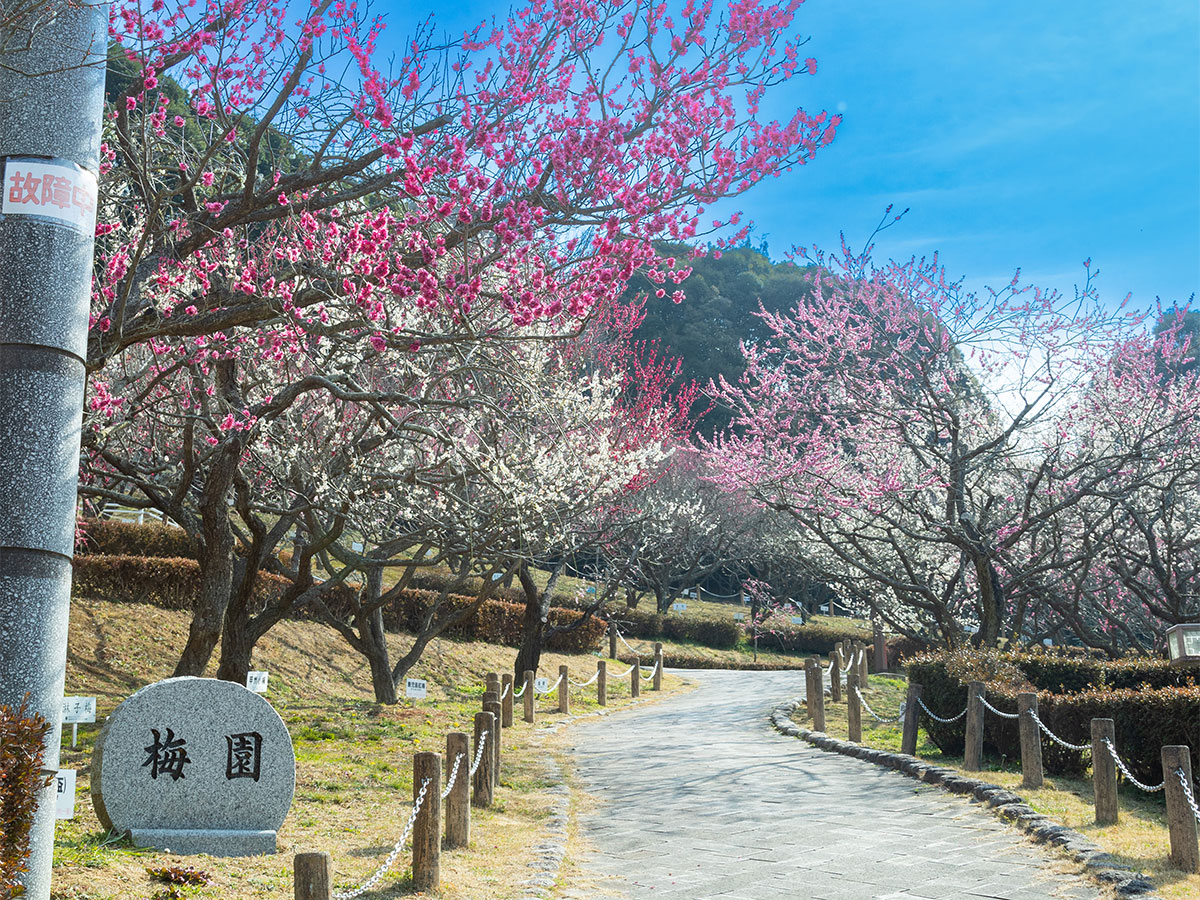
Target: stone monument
(195, 765)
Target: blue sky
(1022, 134)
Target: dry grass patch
(353, 759)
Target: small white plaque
(257, 682)
(797, 620)
(1049, 642)
(64, 794)
(541, 685)
(679, 607)
(415, 688)
(61, 191)
(356, 546)
(739, 617)
(78, 710)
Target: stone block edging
(1004, 804)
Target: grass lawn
(1139, 839)
(353, 758)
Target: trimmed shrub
(1146, 718)
(22, 752)
(720, 634)
(681, 660)
(640, 622)
(169, 583)
(115, 538)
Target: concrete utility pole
(52, 62)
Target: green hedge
(674, 659)
(169, 583)
(708, 631)
(116, 538)
(1146, 718)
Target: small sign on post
(541, 685)
(797, 620)
(416, 688)
(739, 617)
(64, 794)
(78, 711)
(678, 607)
(257, 682)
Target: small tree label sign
(416, 688)
(64, 794)
(78, 710)
(739, 617)
(797, 620)
(257, 682)
(678, 607)
(541, 685)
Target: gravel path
(699, 798)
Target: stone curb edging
(1004, 804)
(548, 854)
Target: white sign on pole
(257, 682)
(679, 607)
(356, 546)
(60, 191)
(1049, 642)
(797, 620)
(541, 685)
(78, 710)
(739, 617)
(64, 796)
(415, 688)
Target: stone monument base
(187, 842)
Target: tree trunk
(990, 600)
(374, 640)
(532, 627)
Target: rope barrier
(478, 752)
(549, 689)
(651, 671)
(1054, 737)
(1187, 792)
(875, 715)
(1112, 751)
(391, 858)
(517, 693)
(507, 688)
(1002, 715)
(453, 775)
(938, 718)
(621, 638)
(622, 674)
(589, 681)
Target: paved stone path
(700, 798)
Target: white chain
(938, 718)
(875, 715)
(650, 673)
(1112, 751)
(622, 674)
(621, 638)
(1187, 792)
(453, 775)
(589, 681)
(1002, 715)
(391, 858)
(479, 751)
(519, 693)
(507, 688)
(1054, 737)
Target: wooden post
(529, 696)
(864, 679)
(635, 679)
(602, 682)
(1181, 821)
(427, 828)
(809, 689)
(564, 691)
(853, 706)
(313, 876)
(458, 801)
(658, 667)
(839, 649)
(495, 709)
(912, 719)
(506, 681)
(493, 682)
(612, 640)
(818, 695)
(490, 696)
(835, 678)
(1031, 741)
(483, 787)
(881, 660)
(973, 752)
(1104, 772)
